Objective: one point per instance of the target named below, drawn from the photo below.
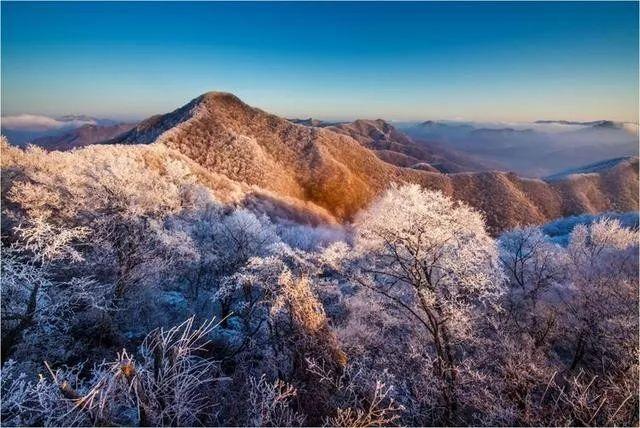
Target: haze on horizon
(398, 61)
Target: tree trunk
(451, 375)
(445, 366)
(11, 338)
(579, 353)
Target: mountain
(436, 130)
(83, 136)
(605, 186)
(331, 169)
(436, 126)
(397, 148)
(248, 145)
(21, 137)
(596, 167)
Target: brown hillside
(332, 169)
(614, 188)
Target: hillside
(609, 185)
(224, 135)
(329, 168)
(591, 168)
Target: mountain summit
(225, 135)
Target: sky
(398, 61)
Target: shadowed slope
(83, 136)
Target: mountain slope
(331, 169)
(608, 185)
(591, 168)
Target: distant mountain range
(534, 149)
(314, 122)
(82, 136)
(395, 147)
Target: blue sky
(399, 61)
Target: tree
(432, 257)
(33, 296)
(121, 205)
(22, 288)
(534, 268)
(601, 302)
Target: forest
(132, 294)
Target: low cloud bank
(32, 122)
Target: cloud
(543, 127)
(32, 122)
(549, 128)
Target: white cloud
(549, 128)
(32, 122)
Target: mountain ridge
(337, 172)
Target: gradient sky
(402, 61)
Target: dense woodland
(133, 295)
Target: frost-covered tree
(601, 302)
(582, 301)
(534, 268)
(23, 287)
(432, 257)
(276, 316)
(119, 203)
(38, 304)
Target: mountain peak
(220, 97)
